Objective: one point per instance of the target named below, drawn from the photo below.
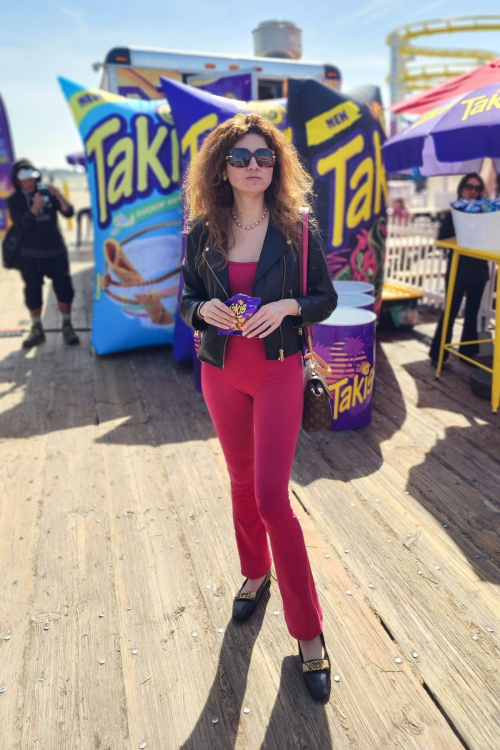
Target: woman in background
(472, 275)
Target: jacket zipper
(227, 295)
(281, 356)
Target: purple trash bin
(346, 341)
(348, 299)
(354, 287)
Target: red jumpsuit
(256, 407)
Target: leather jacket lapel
(275, 245)
(213, 260)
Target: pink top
(241, 276)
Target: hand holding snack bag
(244, 307)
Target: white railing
(412, 258)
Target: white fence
(412, 258)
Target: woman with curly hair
(472, 275)
(245, 189)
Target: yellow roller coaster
(406, 78)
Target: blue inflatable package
(132, 159)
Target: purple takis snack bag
(244, 307)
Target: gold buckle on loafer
(249, 595)
(246, 595)
(315, 665)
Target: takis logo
(131, 160)
(358, 185)
(348, 393)
(350, 381)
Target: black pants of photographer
(34, 270)
(474, 290)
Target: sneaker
(69, 335)
(35, 337)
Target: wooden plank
(167, 681)
(406, 373)
(453, 476)
(458, 671)
(118, 439)
(115, 390)
(24, 407)
(425, 529)
(450, 391)
(21, 483)
(79, 702)
(206, 518)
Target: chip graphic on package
(244, 307)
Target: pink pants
(256, 407)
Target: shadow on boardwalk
(458, 480)
(133, 386)
(225, 700)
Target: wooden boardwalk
(116, 544)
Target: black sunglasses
(241, 157)
(470, 186)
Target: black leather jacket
(276, 277)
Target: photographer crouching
(33, 208)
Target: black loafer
(245, 602)
(316, 673)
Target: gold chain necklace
(252, 225)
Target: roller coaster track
(406, 78)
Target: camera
(43, 190)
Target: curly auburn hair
(210, 198)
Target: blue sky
(41, 40)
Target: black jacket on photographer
(41, 235)
(276, 277)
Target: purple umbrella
(453, 138)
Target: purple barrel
(348, 299)
(346, 341)
(354, 287)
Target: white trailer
(136, 71)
